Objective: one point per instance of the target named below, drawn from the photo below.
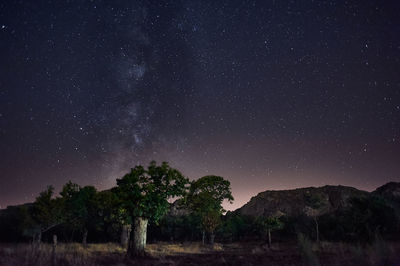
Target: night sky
(268, 94)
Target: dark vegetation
(158, 204)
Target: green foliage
(315, 205)
(210, 220)
(46, 211)
(315, 201)
(211, 189)
(235, 226)
(183, 228)
(80, 205)
(16, 223)
(145, 192)
(370, 215)
(265, 224)
(205, 199)
(361, 221)
(109, 211)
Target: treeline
(123, 213)
(139, 209)
(364, 219)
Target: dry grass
(173, 249)
(248, 253)
(66, 254)
(94, 254)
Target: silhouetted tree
(315, 207)
(46, 212)
(80, 206)
(111, 216)
(369, 216)
(205, 199)
(144, 194)
(235, 226)
(266, 225)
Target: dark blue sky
(269, 94)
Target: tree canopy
(205, 199)
(145, 192)
(207, 194)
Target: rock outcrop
(299, 201)
(390, 190)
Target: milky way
(269, 94)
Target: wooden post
(54, 258)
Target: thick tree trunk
(138, 242)
(316, 228)
(204, 237)
(269, 238)
(125, 233)
(84, 237)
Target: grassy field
(250, 253)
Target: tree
(268, 225)
(46, 213)
(112, 217)
(369, 216)
(205, 199)
(16, 223)
(235, 226)
(80, 205)
(144, 194)
(316, 207)
(86, 209)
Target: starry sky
(268, 94)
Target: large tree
(80, 205)
(205, 199)
(46, 213)
(113, 216)
(144, 194)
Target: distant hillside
(389, 190)
(297, 201)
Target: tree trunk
(316, 228)
(212, 237)
(38, 240)
(84, 237)
(269, 238)
(204, 237)
(125, 233)
(138, 242)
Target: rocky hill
(389, 190)
(300, 201)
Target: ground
(245, 253)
